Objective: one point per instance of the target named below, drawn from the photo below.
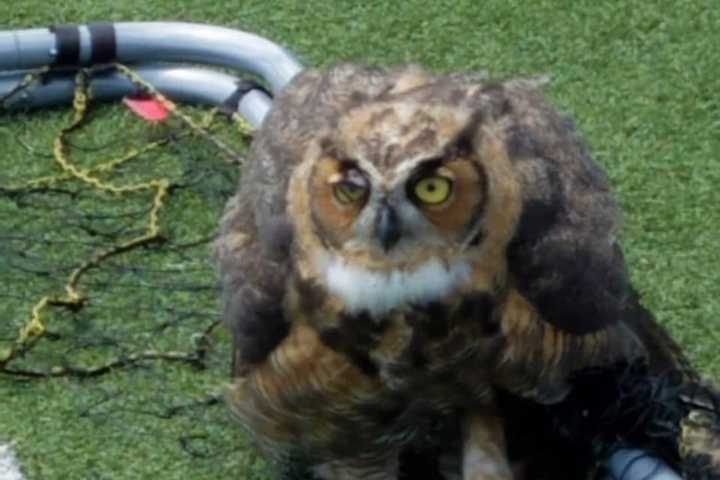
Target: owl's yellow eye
(347, 193)
(433, 190)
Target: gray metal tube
(24, 49)
(185, 84)
(254, 106)
(635, 464)
(161, 41)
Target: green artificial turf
(641, 78)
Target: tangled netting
(103, 239)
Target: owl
(422, 277)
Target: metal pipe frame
(143, 42)
(184, 84)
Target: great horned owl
(422, 263)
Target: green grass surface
(641, 78)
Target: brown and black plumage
(428, 264)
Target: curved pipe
(635, 464)
(134, 42)
(185, 84)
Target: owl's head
(397, 182)
(411, 185)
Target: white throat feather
(378, 291)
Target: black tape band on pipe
(102, 43)
(67, 44)
(243, 87)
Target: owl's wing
(252, 275)
(252, 251)
(581, 322)
(564, 257)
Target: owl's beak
(387, 226)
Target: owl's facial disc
(393, 185)
(378, 249)
(397, 218)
